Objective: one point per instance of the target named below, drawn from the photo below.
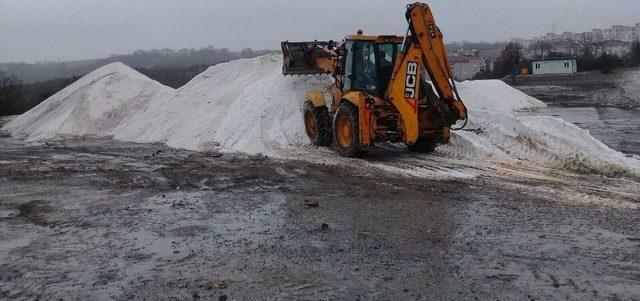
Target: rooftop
(554, 59)
(614, 43)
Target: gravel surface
(619, 89)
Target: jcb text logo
(411, 80)
(432, 31)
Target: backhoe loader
(381, 92)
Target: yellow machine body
(402, 86)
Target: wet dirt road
(111, 220)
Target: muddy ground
(99, 219)
(620, 88)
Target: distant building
(617, 48)
(598, 35)
(615, 40)
(554, 66)
(467, 64)
(608, 34)
(550, 36)
(566, 47)
(622, 33)
(587, 37)
(491, 54)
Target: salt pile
(497, 130)
(495, 96)
(248, 106)
(245, 105)
(94, 105)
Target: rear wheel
(317, 123)
(346, 131)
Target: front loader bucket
(299, 58)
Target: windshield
(364, 67)
(370, 66)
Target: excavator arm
(425, 32)
(423, 47)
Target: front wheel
(346, 131)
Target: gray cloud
(36, 30)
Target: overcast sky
(37, 30)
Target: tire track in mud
(565, 186)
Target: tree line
(157, 58)
(17, 97)
(464, 45)
(23, 86)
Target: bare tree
(11, 93)
(635, 54)
(510, 58)
(586, 54)
(541, 48)
(586, 49)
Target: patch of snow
(538, 139)
(497, 129)
(495, 96)
(631, 84)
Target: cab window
(386, 58)
(364, 66)
(368, 66)
(386, 52)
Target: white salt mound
(538, 139)
(94, 105)
(248, 106)
(495, 96)
(190, 117)
(496, 130)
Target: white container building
(554, 66)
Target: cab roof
(379, 39)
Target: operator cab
(368, 63)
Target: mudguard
(364, 115)
(317, 98)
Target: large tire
(317, 124)
(346, 131)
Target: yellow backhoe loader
(381, 92)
